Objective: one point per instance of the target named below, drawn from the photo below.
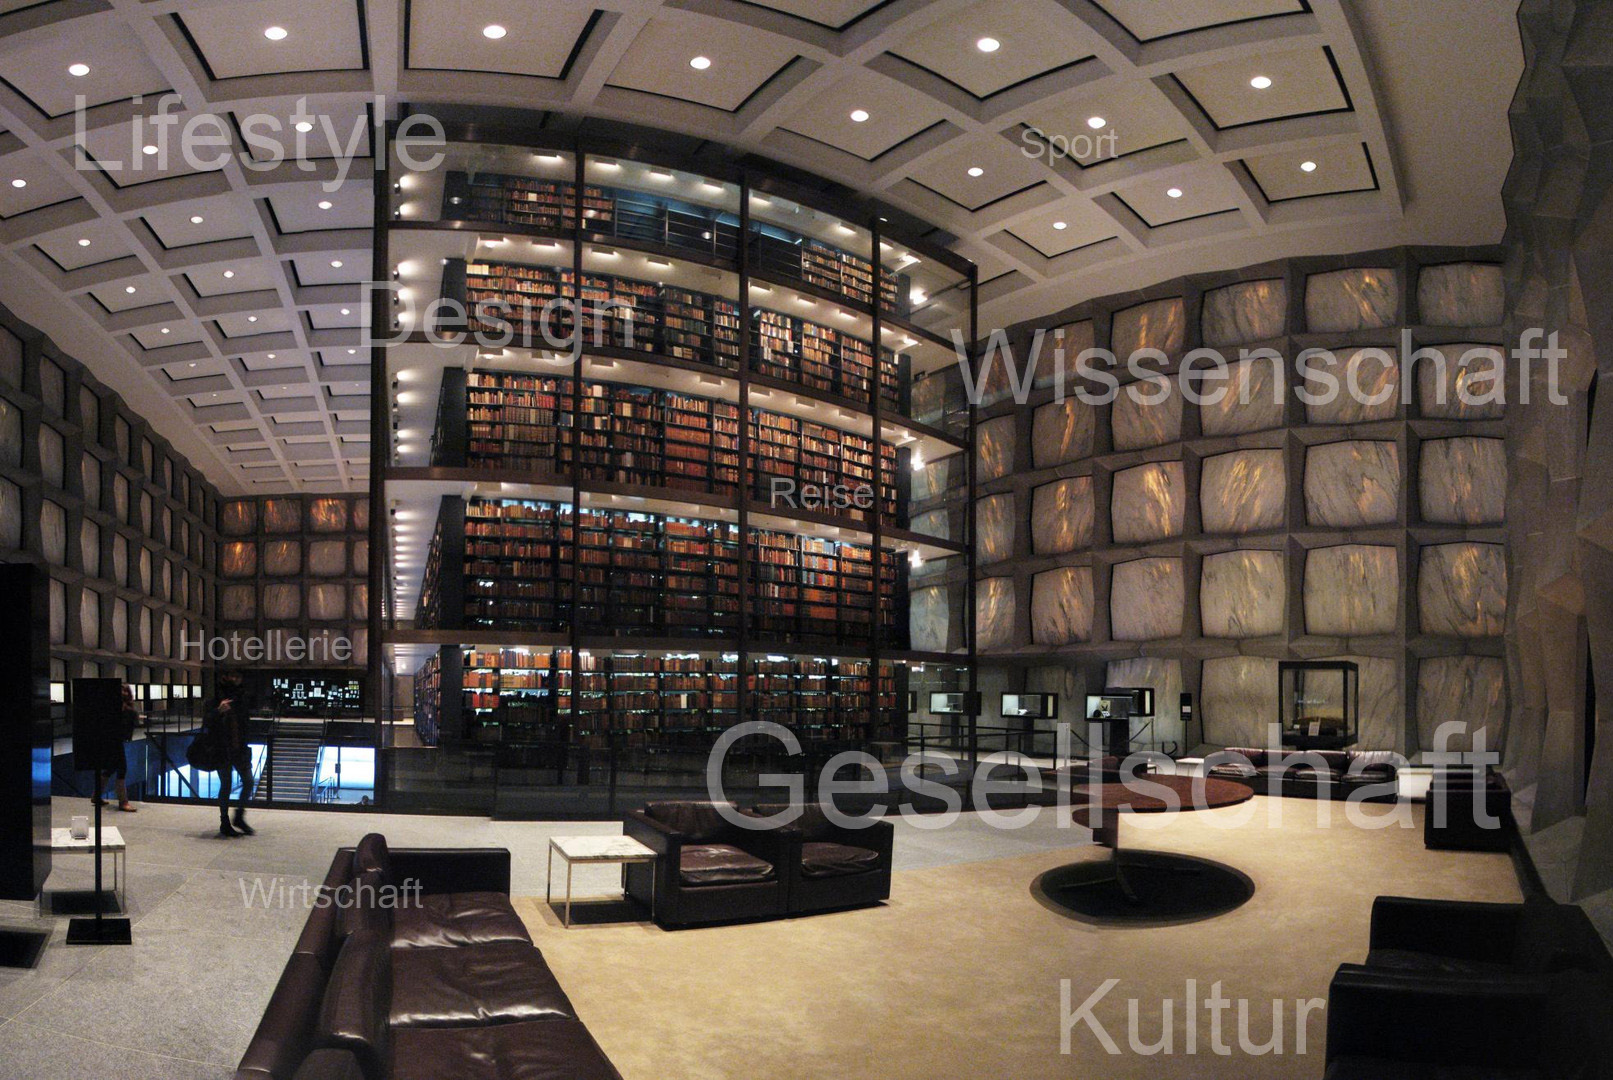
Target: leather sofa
(1309, 774)
(707, 870)
(827, 866)
(387, 982)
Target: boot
(241, 826)
(224, 830)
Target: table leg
(568, 894)
(548, 878)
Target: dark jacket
(228, 725)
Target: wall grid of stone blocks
(1197, 544)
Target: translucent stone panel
(89, 618)
(89, 547)
(361, 514)
(282, 515)
(361, 556)
(1350, 484)
(1460, 382)
(50, 456)
(143, 567)
(1165, 676)
(1061, 605)
(935, 523)
(1243, 491)
(1158, 324)
(1364, 386)
(1461, 294)
(238, 603)
(239, 559)
(120, 560)
(1463, 481)
(928, 399)
(10, 434)
(994, 613)
(1061, 516)
(994, 449)
(1462, 590)
(1357, 299)
(89, 470)
(328, 515)
(282, 557)
(120, 626)
(10, 358)
(359, 601)
(282, 602)
(52, 388)
(10, 515)
(1238, 699)
(1062, 431)
(929, 618)
(359, 639)
(1469, 691)
(327, 558)
(937, 477)
(1242, 593)
(1072, 340)
(142, 631)
(165, 636)
(1351, 590)
(1250, 399)
(994, 529)
(1147, 502)
(1245, 312)
(238, 518)
(120, 497)
(1146, 599)
(53, 532)
(327, 603)
(58, 612)
(1146, 413)
(89, 414)
(1381, 701)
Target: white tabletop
(63, 840)
(600, 848)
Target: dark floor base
(1168, 888)
(21, 948)
(99, 932)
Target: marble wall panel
(930, 617)
(361, 556)
(120, 625)
(1252, 398)
(1061, 605)
(282, 601)
(1242, 594)
(1381, 701)
(1158, 324)
(1146, 413)
(1461, 294)
(238, 559)
(1463, 481)
(120, 497)
(1351, 590)
(994, 613)
(10, 434)
(936, 523)
(1238, 700)
(53, 532)
(1460, 382)
(142, 565)
(1469, 691)
(10, 358)
(58, 612)
(1365, 386)
(1244, 491)
(359, 600)
(238, 518)
(1245, 312)
(52, 388)
(1062, 431)
(1061, 516)
(994, 448)
(120, 560)
(1462, 589)
(937, 477)
(1148, 502)
(89, 547)
(51, 468)
(1146, 600)
(1354, 299)
(10, 515)
(142, 630)
(327, 558)
(929, 399)
(238, 603)
(329, 515)
(994, 529)
(89, 619)
(327, 602)
(361, 514)
(1351, 484)
(1073, 339)
(1165, 676)
(282, 558)
(282, 515)
(89, 473)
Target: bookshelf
(822, 358)
(428, 699)
(798, 450)
(786, 257)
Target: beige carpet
(959, 975)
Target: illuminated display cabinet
(1320, 702)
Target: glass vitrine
(1319, 702)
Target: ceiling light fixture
(1260, 82)
(977, 171)
(128, 289)
(988, 44)
(336, 264)
(1061, 225)
(229, 273)
(275, 33)
(859, 116)
(700, 63)
(149, 149)
(1096, 122)
(165, 330)
(84, 242)
(493, 31)
(78, 71)
(304, 126)
(1307, 166)
(324, 204)
(196, 219)
(346, 311)
(251, 318)
(1175, 192)
(19, 183)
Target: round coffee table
(1147, 885)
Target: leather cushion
(494, 983)
(536, 1050)
(330, 1065)
(697, 821)
(353, 1015)
(721, 864)
(1412, 960)
(286, 1032)
(821, 860)
(372, 855)
(359, 907)
(469, 918)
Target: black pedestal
(99, 931)
(1143, 887)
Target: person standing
(128, 720)
(224, 719)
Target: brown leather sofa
(829, 867)
(1308, 774)
(708, 869)
(445, 984)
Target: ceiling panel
(106, 241)
(223, 217)
(1134, 118)
(895, 113)
(1334, 169)
(37, 67)
(1146, 20)
(272, 361)
(1003, 167)
(1072, 224)
(1205, 189)
(322, 269)
(238, 276)
(252, 324)
(1303, 82)
(41, 183)
(740, 60)
(146, 290)
(445, 36)
(304, 209)
(179, 332)
(310, 129)
(1033, 37)
(140, 151)
(836, 14)
(320, 35)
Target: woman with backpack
(224, 723)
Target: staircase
(292, 765)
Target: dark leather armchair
(1456, 937)
(708, 870)
(1452, 820)
(833, 867)
(1308, 774)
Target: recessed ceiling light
(1096, 122)
(700, 63)
(271, 356)
(346, 311)
(251, 318)
(1260, 82)
(988, 44)
(1308, 166)
(19, 183)
(148, 149)
(859, 115)
(196, 219)
(84, 242)
(1061, 225)
(337, 263)
(165, 330)
(1175, 192)
(977, 171)
(275, 33)
(78, 71)
(229, 273)
(128, 288)
(324, 204)
(304, 126)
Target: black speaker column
(98, 747)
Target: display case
(1319, 703)
(1031, 706)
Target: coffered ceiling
(222, 298)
